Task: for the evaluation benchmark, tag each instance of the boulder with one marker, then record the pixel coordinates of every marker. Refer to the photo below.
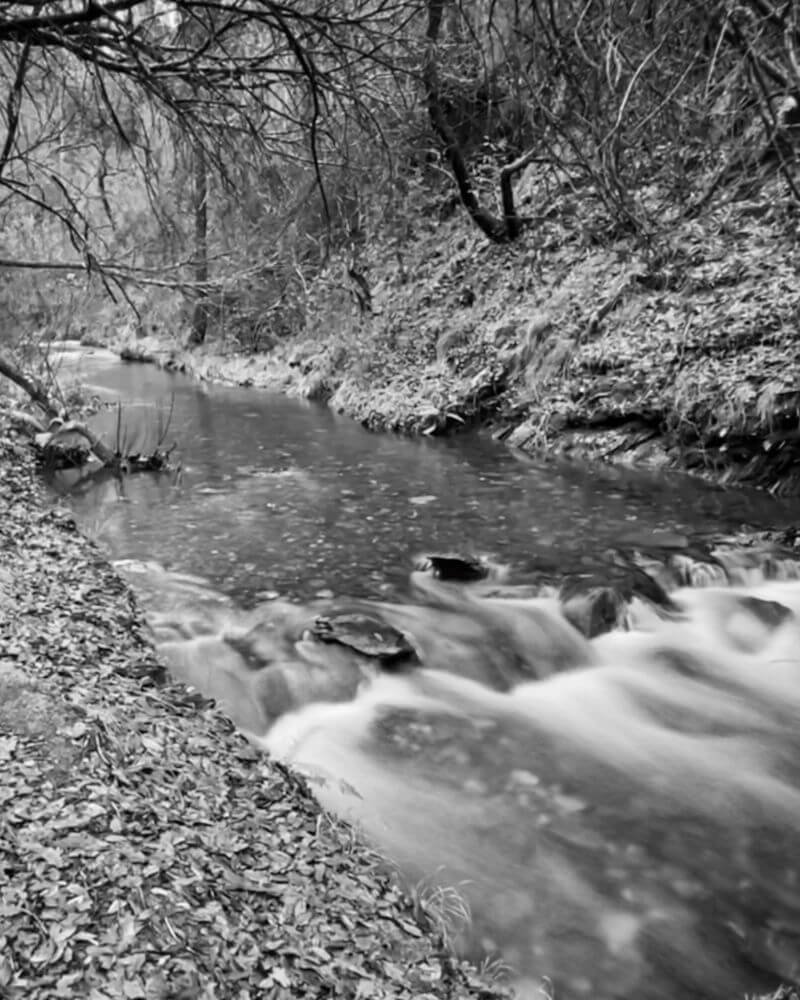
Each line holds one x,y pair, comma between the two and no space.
452,566
367,635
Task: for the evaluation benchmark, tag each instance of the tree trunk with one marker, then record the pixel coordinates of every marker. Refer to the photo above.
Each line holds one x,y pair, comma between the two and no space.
31,385
59,426
499,230
200,205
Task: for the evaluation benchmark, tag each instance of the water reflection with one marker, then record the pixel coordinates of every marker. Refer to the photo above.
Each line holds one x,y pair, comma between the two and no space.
280,494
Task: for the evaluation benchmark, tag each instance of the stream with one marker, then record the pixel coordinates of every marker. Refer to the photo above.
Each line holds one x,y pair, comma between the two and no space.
619,813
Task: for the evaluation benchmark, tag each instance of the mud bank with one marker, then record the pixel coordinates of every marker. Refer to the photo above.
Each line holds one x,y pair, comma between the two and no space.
147,850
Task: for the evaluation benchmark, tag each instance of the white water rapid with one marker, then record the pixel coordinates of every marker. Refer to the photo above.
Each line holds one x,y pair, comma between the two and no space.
621,814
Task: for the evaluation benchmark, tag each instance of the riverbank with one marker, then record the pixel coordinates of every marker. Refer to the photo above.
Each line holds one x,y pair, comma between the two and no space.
114,781
681,353
147,850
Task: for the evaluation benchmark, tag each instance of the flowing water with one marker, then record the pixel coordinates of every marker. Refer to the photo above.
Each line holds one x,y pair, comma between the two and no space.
620,813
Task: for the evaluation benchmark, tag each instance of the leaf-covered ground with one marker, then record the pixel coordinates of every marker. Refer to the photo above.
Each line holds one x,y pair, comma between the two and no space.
146,850
681,351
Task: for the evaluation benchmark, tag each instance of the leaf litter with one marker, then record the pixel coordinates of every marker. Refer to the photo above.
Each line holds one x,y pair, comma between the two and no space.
146,850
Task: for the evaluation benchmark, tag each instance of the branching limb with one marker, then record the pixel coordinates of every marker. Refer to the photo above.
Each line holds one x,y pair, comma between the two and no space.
488,223
13,105
31,385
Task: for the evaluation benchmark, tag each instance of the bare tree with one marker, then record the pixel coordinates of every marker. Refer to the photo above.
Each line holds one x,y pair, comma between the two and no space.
498,228
102,96
647,107
246,73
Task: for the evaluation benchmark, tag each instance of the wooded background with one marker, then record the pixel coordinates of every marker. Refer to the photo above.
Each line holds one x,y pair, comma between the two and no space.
197,162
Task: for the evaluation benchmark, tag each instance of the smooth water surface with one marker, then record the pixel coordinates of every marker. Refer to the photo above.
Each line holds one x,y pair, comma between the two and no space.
281,495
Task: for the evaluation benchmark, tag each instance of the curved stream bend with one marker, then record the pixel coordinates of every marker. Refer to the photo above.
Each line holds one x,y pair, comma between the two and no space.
620,813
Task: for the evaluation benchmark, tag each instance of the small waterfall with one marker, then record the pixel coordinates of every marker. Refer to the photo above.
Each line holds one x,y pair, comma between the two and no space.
609,774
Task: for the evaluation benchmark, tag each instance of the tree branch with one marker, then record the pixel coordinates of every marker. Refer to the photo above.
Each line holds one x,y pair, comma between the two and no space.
25,28
13,105
31,385
488,223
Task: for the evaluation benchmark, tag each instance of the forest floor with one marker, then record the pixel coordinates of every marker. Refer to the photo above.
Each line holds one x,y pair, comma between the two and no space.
683,352
146,849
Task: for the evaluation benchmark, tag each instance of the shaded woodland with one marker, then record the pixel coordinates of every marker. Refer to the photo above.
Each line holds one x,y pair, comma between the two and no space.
223,151
222,172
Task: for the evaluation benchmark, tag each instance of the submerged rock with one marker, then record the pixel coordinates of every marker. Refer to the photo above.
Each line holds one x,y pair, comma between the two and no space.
748,565
308,679
275,631
745,622
770,613
255,682
251,652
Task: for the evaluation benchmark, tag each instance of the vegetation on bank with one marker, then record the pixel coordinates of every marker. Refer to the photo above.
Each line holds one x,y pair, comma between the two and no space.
146,850
685,355
576,221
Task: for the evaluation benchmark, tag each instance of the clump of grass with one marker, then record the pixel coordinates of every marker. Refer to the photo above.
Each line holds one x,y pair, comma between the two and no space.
443,908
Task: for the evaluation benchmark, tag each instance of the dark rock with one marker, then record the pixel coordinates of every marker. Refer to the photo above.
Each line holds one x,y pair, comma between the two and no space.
451,566
629,578
62,455
138,354
595,611
644,585
366,635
